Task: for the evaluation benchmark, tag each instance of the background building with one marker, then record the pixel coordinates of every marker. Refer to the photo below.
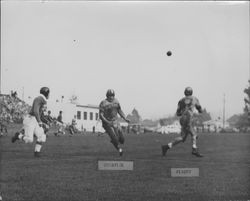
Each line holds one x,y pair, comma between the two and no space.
215,125
86,116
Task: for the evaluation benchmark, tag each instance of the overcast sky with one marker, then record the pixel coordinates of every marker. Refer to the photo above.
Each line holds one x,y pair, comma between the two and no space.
85,48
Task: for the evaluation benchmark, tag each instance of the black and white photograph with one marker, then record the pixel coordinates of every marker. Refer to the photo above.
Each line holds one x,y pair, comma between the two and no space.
125,100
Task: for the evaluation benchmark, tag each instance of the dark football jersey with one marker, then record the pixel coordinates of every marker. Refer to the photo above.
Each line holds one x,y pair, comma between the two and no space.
37,106
110,109
188,104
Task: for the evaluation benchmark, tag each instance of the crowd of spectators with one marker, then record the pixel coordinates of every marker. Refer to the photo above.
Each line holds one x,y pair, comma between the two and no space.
12,108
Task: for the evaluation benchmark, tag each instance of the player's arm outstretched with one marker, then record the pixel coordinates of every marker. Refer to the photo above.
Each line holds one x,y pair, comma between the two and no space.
198,106
121,113
179,109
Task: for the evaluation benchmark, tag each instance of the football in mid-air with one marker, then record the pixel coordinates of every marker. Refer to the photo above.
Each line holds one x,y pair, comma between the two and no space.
169,53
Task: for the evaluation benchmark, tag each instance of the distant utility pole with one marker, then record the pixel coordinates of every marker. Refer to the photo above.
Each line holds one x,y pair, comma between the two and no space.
224,102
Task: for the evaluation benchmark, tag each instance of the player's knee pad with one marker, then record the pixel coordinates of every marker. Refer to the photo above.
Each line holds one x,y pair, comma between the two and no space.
41,138
28,140
178,139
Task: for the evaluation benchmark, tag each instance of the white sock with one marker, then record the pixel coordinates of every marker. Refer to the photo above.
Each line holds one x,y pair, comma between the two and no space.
194,146
170,145
20,136
38,148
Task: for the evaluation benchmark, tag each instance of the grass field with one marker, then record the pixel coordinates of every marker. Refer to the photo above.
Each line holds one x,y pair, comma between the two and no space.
67,170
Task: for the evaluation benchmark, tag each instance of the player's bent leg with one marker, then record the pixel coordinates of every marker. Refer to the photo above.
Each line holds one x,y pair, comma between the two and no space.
40,140
16,137
184,137
165,148
112,135
28,133
120,136
37,152
194,141
177,141
195,151
28,139
29,126
121,140
180,139
39,133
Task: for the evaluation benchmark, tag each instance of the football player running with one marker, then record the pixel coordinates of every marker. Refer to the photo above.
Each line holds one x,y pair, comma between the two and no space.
32,123
108,110
185,111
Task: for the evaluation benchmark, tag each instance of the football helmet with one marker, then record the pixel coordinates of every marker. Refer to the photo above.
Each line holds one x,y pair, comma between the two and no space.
110,92
188,91
45,91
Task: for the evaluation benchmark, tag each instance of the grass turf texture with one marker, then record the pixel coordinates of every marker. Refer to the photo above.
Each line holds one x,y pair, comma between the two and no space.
67,170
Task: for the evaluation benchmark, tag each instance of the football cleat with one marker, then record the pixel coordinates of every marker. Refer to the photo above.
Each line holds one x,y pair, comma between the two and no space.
120,152
15,137
37,154
164,149
196,153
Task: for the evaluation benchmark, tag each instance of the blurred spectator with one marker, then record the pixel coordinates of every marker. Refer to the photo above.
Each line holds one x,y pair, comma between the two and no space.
72,127
61,126
3,128
13,94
